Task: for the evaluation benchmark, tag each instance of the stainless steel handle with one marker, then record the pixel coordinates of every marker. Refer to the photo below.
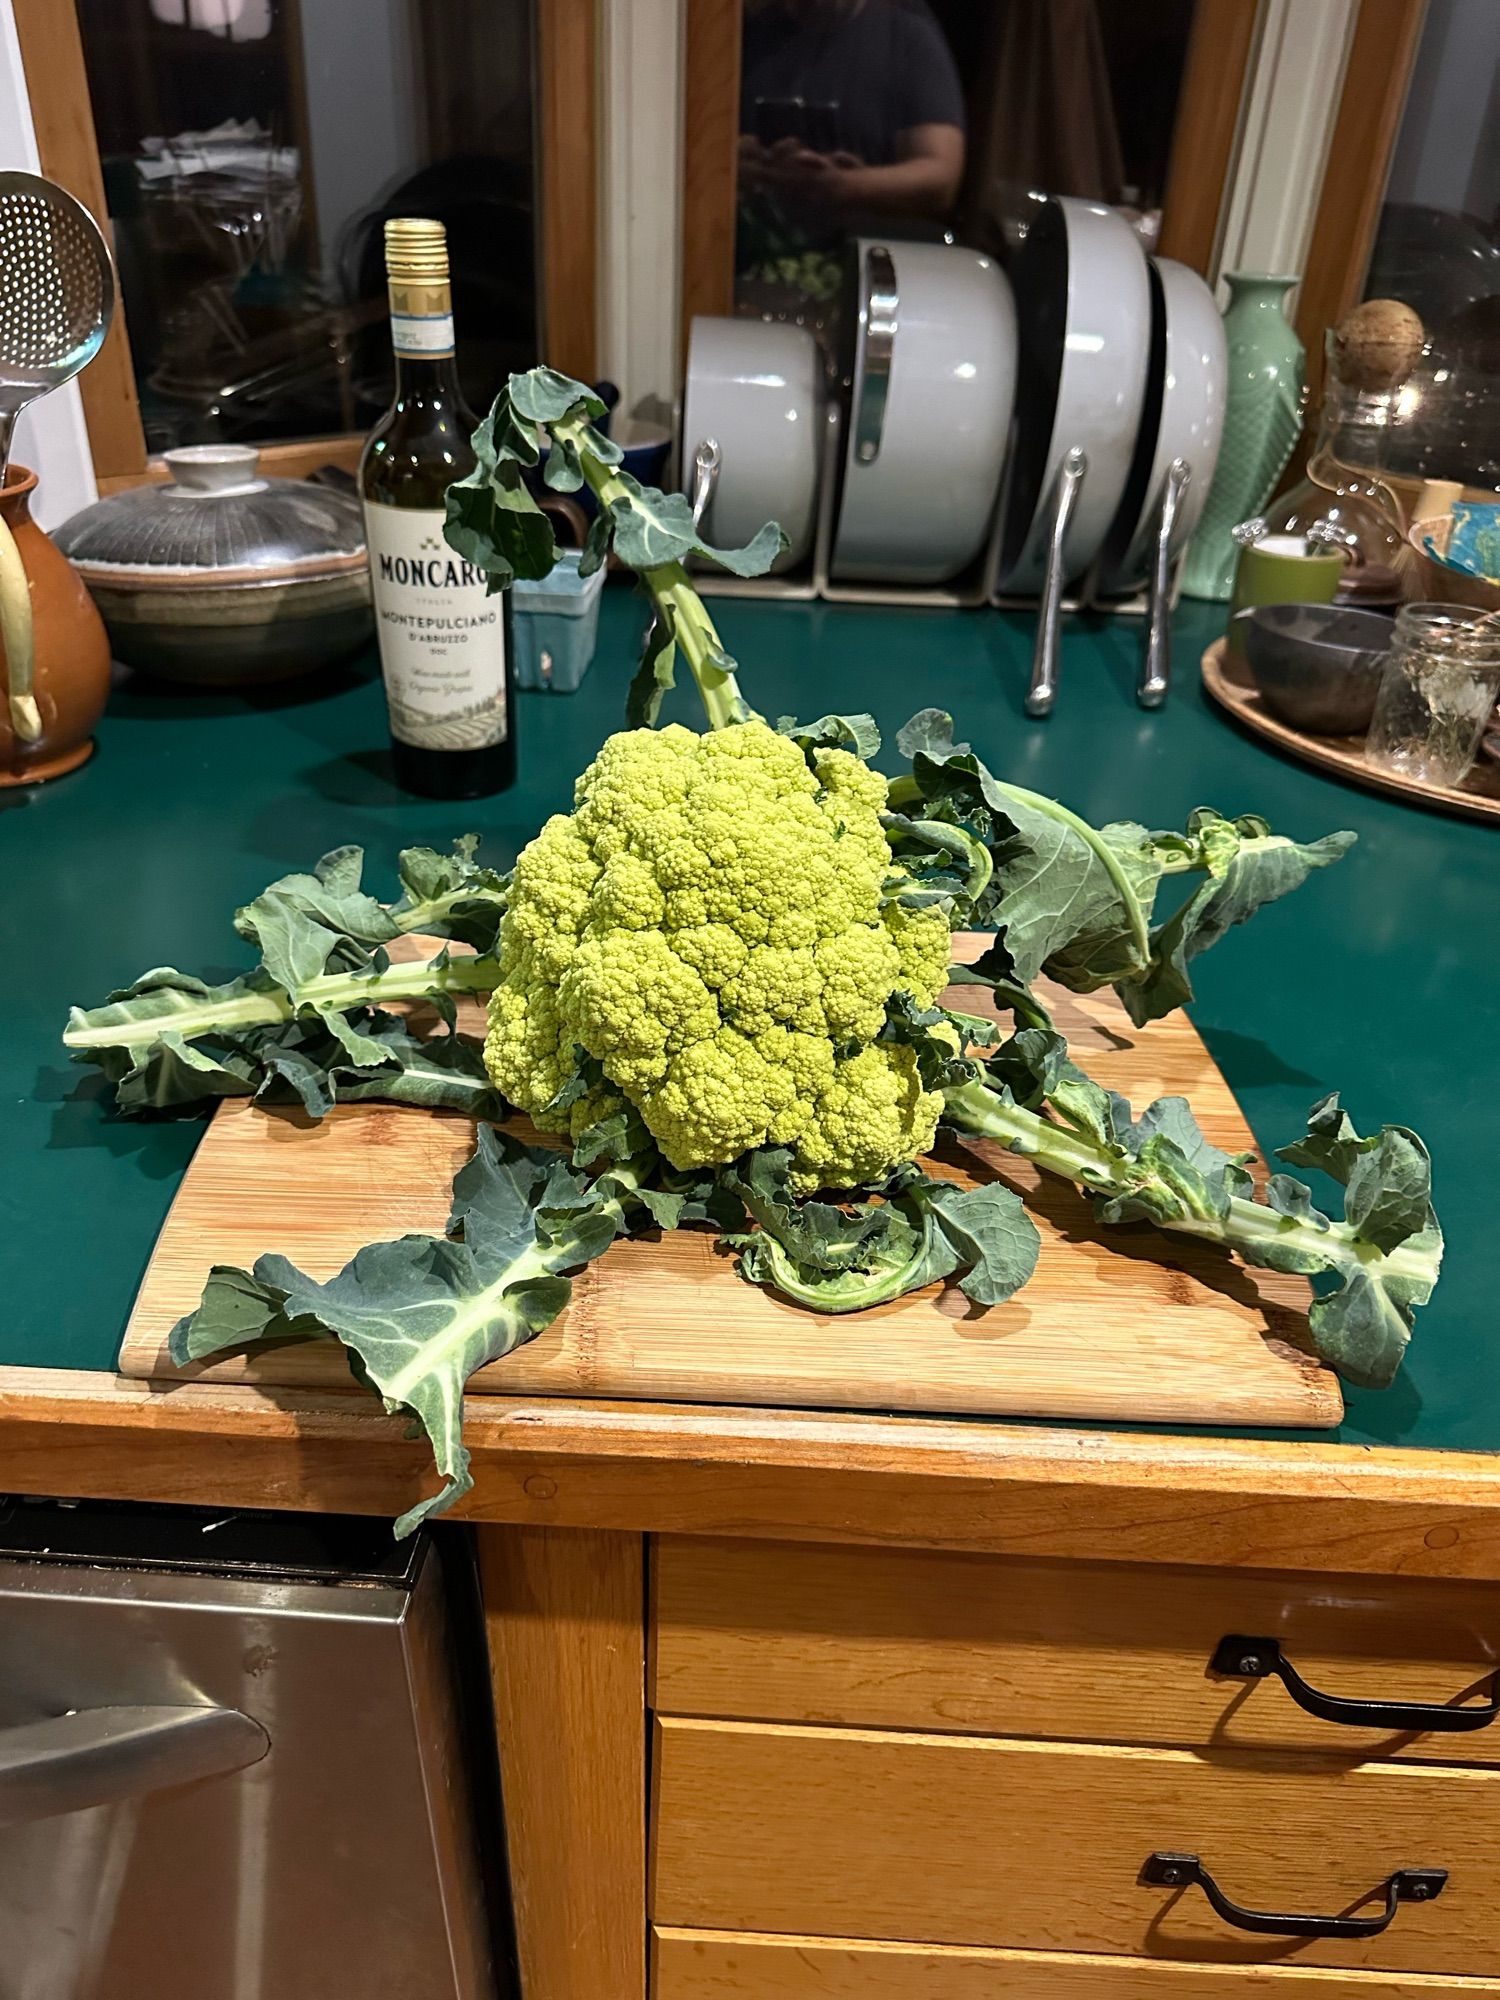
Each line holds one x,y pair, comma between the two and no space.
878,311
1043,690
99,1756
707,459
1156,662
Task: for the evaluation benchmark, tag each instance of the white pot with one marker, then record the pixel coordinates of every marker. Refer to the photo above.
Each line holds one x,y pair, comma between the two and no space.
1183,418
1083,301
934,385
756,389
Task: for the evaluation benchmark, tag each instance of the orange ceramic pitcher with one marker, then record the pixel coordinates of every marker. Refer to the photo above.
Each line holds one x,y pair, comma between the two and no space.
54,653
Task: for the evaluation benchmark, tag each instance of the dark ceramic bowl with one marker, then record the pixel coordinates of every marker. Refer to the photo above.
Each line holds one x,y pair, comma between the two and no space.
1318,665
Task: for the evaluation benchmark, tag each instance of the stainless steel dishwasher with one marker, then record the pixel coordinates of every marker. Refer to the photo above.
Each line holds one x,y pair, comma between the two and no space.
234,1763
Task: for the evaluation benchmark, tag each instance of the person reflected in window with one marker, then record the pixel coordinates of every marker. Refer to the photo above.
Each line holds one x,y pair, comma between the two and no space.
849,109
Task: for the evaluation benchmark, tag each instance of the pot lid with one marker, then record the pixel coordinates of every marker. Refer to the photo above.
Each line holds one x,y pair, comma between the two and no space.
217,520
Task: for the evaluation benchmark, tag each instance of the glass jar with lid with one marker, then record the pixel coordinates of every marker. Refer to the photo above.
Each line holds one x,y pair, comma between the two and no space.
1437,688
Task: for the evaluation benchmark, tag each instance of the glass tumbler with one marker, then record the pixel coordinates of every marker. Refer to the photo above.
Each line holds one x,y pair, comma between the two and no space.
1437,688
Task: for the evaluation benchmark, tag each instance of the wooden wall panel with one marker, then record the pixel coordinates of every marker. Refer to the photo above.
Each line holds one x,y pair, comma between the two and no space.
52,55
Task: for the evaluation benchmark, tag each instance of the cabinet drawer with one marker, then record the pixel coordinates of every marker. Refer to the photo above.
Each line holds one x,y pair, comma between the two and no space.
717,1965
1110,1653
988,1841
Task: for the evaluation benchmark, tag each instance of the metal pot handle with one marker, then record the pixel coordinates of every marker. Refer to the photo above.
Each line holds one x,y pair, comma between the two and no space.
17,638
879,306
99,1756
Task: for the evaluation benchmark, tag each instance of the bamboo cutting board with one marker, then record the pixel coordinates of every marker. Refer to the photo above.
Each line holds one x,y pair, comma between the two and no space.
1122,1323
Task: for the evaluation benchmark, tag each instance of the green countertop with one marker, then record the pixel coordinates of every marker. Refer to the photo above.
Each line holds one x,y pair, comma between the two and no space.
1381,978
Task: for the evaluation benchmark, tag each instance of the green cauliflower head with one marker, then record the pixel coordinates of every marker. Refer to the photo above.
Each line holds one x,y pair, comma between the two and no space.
707,925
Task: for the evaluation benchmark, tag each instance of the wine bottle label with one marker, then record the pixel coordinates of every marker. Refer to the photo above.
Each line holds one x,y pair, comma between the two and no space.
429,334
442,638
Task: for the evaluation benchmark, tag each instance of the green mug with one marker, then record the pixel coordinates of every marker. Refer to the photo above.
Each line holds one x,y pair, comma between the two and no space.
1275,570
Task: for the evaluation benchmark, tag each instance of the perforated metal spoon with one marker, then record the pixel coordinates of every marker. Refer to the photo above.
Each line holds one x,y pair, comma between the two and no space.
57,294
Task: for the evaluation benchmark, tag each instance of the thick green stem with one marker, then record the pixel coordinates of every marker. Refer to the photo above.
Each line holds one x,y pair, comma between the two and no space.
676,601
432,915
1248,1226
334,992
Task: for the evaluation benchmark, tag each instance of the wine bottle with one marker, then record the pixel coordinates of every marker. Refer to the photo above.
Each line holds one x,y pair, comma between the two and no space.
445,643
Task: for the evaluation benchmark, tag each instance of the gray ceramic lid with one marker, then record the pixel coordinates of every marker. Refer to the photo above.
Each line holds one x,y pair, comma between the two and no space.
217,520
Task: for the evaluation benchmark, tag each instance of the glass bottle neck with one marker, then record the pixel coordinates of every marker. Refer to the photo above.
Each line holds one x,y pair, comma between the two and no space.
422,338
1354,424
427,378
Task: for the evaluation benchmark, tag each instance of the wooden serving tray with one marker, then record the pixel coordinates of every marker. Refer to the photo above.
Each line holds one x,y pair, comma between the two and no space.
1477,798
1122,1323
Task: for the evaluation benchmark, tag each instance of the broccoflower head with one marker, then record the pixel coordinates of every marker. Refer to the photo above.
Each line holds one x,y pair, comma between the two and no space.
707,925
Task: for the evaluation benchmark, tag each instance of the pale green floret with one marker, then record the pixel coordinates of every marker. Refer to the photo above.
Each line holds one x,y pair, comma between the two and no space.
925,947
708,927
874,1111
720,1098
716,952
525,1051
631,1002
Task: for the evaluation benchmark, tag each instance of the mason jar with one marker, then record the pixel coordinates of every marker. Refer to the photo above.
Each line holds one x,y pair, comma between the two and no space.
1438,685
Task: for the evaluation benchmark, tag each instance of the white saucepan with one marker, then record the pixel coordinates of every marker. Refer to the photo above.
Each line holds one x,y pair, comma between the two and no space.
755,387
1083,305
1183,418
933,388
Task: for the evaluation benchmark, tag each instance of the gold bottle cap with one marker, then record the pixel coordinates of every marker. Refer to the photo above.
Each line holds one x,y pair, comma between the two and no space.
416,250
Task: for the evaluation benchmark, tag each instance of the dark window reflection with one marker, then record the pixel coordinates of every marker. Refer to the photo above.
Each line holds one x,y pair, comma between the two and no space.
252,150
925,117
1438,247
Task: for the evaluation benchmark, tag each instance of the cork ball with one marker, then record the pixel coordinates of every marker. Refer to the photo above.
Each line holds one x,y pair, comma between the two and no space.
1376,345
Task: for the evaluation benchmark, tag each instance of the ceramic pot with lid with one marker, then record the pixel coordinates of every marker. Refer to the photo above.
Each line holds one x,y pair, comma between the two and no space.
223,576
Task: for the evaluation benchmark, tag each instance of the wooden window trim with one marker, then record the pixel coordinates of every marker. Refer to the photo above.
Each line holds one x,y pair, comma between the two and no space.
710,157
1376,79
566,55
1221,46
568,153
68,148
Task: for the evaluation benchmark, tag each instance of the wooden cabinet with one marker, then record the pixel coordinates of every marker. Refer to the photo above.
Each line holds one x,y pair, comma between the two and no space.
707,1965
992,1841
1078,1652
891,1772
877,1674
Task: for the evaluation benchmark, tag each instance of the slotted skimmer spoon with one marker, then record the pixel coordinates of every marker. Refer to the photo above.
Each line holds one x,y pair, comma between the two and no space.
57,294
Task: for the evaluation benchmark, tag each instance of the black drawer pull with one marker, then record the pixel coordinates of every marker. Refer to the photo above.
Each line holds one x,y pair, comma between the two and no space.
1407,1885
1239,1658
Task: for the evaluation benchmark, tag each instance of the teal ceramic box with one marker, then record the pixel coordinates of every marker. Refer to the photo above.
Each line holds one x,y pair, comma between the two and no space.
556,624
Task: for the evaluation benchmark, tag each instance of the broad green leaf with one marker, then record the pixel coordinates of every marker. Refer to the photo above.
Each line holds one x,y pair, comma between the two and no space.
1260,870
329,900
545,396
419,1315
839,1259
653,529
859,734
451,895
595,546
995,1242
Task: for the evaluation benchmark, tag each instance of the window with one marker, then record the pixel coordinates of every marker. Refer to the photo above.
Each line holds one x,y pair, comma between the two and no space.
1437,246
251,151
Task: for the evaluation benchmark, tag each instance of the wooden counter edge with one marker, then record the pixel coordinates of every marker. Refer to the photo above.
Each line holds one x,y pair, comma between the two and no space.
773,1474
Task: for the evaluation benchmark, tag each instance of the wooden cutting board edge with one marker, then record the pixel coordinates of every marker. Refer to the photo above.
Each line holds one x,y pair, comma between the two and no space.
683,1327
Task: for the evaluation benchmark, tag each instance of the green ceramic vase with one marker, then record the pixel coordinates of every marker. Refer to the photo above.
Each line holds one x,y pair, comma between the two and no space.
1262,418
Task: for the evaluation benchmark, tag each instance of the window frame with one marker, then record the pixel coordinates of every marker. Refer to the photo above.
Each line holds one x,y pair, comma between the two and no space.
565,45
